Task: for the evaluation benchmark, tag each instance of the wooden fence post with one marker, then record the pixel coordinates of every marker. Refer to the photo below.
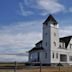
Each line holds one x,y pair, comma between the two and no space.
59,68
15,67
40,67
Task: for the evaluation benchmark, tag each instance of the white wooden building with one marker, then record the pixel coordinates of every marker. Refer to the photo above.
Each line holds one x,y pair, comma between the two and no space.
52,49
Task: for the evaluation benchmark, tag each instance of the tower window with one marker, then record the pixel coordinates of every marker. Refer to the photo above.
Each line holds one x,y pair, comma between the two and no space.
53,55
46,43
54,34
45,55
45,33
54,43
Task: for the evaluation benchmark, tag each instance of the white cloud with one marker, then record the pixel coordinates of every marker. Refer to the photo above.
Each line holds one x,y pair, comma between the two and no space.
70,9
19,37
51,6
19,40
24,12
65,31
44,6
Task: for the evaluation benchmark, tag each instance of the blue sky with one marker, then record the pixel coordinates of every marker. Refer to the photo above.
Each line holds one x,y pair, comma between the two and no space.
21,24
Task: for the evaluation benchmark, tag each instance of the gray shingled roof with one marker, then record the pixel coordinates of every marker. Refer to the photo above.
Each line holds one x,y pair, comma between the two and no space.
66,40
50,19
36,49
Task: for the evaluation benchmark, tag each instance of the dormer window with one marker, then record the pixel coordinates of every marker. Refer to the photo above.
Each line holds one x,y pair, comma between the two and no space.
62,45
70,46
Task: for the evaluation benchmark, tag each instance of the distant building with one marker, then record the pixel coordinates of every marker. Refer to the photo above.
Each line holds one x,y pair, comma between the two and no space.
52,49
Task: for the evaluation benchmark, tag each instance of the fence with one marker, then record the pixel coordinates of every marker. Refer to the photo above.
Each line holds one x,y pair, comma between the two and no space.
20,67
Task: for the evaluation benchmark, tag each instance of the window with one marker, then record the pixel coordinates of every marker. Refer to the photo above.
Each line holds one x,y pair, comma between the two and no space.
54,34
45,55
46,43
63,58
53,55
57,55
70,46
31,56
45,33
63,45
38,59
54,43
70,58
60,46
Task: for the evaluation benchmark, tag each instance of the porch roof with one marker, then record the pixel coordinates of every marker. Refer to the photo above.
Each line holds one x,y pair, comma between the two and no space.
36,49
66,40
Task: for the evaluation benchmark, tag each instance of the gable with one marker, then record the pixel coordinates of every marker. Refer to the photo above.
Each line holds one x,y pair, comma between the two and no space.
65,40
50,19
40,42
